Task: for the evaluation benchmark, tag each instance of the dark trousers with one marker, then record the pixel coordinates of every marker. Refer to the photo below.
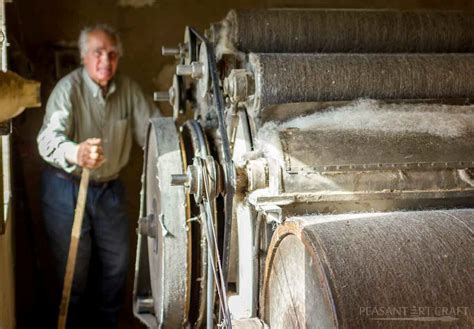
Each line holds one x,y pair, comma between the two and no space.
104,238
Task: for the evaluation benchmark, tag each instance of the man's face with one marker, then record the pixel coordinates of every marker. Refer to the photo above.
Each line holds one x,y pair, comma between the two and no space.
101,58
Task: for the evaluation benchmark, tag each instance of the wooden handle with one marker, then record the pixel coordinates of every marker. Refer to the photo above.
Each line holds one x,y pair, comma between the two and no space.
71,258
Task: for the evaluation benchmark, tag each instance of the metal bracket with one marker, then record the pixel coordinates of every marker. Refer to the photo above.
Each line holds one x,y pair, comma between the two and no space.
147,226
272,213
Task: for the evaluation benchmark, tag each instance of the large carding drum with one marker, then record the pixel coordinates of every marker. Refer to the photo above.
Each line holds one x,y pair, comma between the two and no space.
356,31
372,270
294,78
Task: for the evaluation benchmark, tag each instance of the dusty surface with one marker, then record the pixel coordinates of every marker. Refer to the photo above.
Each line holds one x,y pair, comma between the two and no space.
144,29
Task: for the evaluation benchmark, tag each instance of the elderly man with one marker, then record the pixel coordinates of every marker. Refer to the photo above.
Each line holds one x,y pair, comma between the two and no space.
90,117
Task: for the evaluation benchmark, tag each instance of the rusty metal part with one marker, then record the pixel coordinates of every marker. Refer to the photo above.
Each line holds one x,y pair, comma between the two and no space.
357,31
337,270
293,78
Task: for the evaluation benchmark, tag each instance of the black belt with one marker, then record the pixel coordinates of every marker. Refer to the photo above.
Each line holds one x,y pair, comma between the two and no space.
77,179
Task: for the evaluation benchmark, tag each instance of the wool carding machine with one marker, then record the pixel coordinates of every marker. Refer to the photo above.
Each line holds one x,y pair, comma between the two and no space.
325,180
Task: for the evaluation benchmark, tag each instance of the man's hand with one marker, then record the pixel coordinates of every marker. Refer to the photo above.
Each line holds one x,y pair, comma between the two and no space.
90,153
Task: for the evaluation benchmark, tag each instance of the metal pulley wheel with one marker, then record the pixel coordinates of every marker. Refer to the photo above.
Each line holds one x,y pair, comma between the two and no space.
194,146
178,96
192,46
164,240
186,52
203,84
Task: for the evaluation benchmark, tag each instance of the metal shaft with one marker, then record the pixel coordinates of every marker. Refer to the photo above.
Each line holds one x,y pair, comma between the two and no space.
169,51
161,96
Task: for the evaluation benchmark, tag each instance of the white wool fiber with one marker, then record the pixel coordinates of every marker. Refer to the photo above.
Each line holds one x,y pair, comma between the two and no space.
371,116
268,142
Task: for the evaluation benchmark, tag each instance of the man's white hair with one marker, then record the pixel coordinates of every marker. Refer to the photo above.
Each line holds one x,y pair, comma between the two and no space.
83,36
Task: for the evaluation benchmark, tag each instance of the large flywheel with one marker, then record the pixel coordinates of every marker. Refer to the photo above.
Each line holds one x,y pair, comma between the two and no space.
162,284
174,281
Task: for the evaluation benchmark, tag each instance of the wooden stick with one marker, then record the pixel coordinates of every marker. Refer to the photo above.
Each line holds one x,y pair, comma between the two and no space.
71,258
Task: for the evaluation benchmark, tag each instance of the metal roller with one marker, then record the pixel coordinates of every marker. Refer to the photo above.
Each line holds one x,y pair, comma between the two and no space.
372,270
292,78
331,31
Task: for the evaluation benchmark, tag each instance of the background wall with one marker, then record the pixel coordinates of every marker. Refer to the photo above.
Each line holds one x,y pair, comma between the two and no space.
40,30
